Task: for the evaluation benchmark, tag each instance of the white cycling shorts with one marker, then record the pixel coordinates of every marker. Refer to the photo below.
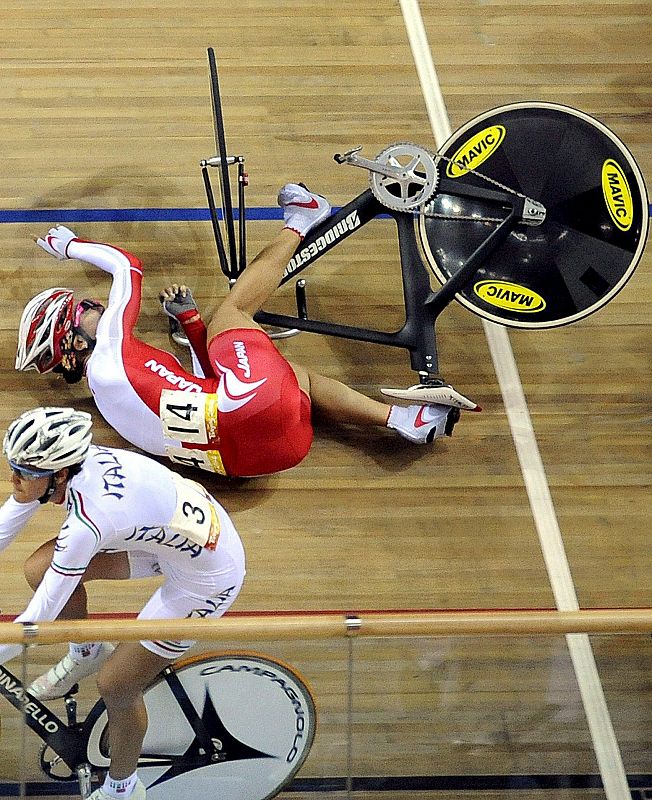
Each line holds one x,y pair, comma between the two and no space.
186,594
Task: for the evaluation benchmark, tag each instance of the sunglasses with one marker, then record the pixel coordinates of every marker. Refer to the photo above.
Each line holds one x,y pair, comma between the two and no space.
84,305
30,473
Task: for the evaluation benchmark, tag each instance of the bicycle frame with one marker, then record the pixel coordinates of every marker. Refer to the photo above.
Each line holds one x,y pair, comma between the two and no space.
68,741
192,739
422,305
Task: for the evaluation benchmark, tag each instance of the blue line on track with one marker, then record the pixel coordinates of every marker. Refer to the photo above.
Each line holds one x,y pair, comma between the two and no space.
639,785
63,215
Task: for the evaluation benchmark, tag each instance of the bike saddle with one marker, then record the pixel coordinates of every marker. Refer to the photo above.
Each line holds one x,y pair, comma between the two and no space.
442,394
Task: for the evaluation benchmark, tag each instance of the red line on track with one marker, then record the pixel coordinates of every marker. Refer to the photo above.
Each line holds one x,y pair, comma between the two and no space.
361,611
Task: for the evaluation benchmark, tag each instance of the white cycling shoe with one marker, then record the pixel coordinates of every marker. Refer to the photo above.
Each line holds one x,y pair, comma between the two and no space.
59,680
422,424
443,395
302,209
137,794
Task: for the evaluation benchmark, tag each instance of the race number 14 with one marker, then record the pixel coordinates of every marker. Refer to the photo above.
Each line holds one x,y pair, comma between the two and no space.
183,416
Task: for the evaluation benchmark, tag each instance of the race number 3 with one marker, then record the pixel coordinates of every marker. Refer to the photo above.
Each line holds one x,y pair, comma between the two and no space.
195,516
189,417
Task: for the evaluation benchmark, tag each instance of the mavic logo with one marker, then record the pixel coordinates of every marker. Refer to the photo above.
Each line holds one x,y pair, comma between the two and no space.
511,296
617,195
232,393
477,150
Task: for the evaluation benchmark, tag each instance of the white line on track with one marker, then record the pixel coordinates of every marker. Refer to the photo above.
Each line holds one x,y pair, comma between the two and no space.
605,744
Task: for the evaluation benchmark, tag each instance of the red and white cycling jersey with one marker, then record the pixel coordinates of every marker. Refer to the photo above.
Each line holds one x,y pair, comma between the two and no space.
248,418
126,375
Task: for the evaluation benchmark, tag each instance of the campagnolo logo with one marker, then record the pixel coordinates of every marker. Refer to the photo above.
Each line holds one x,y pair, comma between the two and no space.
298,712
349,223
477,150
617,195
504,294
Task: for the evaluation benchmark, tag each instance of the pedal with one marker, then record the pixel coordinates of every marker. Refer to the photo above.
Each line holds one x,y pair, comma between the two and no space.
441,394
343,158
84,776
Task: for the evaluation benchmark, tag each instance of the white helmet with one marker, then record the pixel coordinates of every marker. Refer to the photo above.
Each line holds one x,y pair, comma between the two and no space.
45,322
48,438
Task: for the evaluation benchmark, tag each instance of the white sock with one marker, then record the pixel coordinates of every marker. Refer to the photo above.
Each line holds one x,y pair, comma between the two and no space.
119,788
84,650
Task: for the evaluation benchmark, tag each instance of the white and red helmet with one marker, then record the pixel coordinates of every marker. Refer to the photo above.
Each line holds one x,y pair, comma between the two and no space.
45,322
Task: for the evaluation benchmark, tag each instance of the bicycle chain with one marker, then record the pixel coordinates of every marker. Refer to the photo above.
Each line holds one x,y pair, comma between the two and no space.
468,217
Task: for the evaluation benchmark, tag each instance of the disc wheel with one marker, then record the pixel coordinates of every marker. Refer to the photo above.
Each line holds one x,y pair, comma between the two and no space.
596,223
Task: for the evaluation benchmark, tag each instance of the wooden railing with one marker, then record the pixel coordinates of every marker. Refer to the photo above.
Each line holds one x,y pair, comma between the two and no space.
317,626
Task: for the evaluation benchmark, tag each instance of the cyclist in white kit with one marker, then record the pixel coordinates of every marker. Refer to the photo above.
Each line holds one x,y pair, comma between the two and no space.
127,517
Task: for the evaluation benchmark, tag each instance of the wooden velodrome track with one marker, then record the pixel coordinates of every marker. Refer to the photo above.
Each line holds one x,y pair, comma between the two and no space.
106,106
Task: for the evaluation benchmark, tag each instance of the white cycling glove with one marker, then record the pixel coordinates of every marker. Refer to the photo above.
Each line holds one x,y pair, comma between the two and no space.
57,241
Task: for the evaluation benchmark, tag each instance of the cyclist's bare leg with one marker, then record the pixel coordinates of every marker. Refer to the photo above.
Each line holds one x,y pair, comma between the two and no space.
340,403
121,682
255,285
249,293
105,566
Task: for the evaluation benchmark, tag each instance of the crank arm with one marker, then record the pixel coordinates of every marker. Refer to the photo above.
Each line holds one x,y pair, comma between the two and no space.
354,160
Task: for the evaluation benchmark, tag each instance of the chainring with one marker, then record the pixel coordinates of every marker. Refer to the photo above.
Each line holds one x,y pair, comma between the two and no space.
415,184
53,765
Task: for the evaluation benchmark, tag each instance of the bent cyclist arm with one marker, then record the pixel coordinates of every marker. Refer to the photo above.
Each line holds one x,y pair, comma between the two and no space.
123,308
75,547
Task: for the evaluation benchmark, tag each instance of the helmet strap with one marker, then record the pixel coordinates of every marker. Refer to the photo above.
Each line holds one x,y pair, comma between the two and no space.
49,491
73,361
